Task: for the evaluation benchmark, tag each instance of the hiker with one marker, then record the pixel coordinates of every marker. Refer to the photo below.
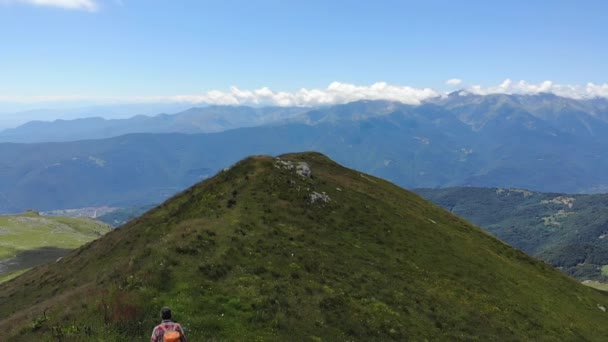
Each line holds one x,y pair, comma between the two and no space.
168,331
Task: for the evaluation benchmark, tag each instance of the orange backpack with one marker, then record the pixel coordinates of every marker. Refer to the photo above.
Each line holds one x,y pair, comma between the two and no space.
172,336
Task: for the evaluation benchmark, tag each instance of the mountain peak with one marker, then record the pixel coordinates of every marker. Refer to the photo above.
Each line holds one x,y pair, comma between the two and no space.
298,246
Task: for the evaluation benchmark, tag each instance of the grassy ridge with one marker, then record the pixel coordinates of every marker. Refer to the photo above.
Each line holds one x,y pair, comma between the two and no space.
261,253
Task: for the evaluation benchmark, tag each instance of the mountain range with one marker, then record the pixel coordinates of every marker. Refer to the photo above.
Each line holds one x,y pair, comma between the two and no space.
194,120
14,115
538,142
300,248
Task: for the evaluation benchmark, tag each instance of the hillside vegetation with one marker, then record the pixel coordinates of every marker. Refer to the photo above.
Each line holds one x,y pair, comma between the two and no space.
568,231
28,239
299,248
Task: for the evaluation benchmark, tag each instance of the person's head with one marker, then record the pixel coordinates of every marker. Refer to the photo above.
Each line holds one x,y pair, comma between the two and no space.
165,313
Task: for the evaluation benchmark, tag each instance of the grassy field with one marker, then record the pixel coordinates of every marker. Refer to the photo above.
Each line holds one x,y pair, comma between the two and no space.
262,253
29,239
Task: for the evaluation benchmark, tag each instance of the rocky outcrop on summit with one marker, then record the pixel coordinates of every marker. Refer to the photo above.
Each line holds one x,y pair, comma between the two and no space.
302,168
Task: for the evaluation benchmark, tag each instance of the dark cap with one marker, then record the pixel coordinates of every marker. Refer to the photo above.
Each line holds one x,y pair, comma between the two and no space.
165,313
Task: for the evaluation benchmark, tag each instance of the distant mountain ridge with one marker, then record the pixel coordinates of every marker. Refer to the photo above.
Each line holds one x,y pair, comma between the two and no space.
195,120
463,140
544,110
578,117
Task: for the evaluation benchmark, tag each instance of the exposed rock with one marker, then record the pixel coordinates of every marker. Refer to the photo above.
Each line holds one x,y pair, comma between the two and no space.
302,168
319,197
282,164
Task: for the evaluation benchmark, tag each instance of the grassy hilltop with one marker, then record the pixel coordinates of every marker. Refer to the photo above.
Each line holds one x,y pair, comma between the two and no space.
265,251
28,239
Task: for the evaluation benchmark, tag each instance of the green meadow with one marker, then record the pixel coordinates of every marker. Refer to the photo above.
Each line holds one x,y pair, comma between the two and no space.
29,239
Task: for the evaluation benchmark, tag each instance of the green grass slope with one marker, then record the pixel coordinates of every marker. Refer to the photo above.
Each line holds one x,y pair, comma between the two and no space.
29,239
261,253
568,231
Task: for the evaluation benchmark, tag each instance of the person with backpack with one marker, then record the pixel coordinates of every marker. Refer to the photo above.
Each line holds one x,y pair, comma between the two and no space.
168,331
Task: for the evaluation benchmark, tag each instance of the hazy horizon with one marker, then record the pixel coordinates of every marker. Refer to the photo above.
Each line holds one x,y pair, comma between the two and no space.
75,53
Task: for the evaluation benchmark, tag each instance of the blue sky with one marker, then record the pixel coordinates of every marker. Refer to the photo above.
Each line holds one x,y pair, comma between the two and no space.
153,48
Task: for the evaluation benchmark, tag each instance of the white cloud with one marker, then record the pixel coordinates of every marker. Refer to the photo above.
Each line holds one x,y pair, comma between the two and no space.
523,87
86,5
335,93
453,81
599,90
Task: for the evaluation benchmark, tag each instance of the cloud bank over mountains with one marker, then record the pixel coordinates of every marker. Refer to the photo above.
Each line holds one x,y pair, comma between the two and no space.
335,93
590,90
338,92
